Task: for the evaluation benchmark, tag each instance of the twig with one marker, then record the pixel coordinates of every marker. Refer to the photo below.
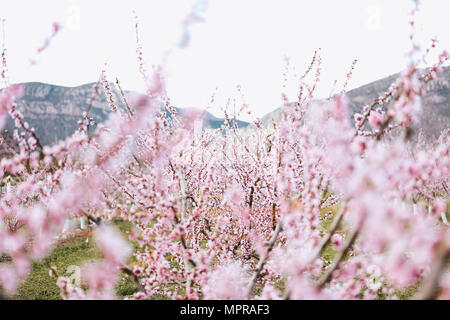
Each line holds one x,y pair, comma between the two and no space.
340,256
124,99
91,218
133,276
263,261
430,288
189,263
336,222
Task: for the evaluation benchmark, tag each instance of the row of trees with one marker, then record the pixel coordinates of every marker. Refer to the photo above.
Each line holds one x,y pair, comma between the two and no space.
316,206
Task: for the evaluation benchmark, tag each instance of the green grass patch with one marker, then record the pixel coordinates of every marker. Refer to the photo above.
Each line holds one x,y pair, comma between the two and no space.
77,249
71,251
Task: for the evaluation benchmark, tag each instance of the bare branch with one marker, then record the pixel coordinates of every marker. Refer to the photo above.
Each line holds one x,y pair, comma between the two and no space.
263,261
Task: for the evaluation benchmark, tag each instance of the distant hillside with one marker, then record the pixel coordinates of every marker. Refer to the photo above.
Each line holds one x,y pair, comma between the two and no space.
55,110
435,115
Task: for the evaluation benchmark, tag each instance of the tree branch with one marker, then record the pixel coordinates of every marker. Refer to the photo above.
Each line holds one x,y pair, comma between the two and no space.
263,261
430,289
341,254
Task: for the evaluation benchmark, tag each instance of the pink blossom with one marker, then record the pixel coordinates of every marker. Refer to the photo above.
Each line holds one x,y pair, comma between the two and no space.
375,119
337,241
227,283
110,242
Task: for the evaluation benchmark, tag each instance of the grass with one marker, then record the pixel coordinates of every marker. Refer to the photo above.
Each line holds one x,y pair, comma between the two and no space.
328,215
408,292
76,249
329,253
72,251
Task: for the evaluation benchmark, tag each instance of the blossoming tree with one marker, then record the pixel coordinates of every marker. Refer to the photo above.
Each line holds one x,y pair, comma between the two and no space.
234,214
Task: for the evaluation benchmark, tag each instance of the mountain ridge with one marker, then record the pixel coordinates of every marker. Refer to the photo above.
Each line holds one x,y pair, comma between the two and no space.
435,115
54,111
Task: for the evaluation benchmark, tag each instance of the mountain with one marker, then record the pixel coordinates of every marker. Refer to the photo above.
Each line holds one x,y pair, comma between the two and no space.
435,116
54,111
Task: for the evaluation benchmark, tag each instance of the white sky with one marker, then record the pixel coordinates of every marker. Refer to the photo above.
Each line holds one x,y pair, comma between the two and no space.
242,42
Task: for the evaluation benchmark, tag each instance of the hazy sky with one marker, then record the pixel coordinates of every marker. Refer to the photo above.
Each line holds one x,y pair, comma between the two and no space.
242,42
